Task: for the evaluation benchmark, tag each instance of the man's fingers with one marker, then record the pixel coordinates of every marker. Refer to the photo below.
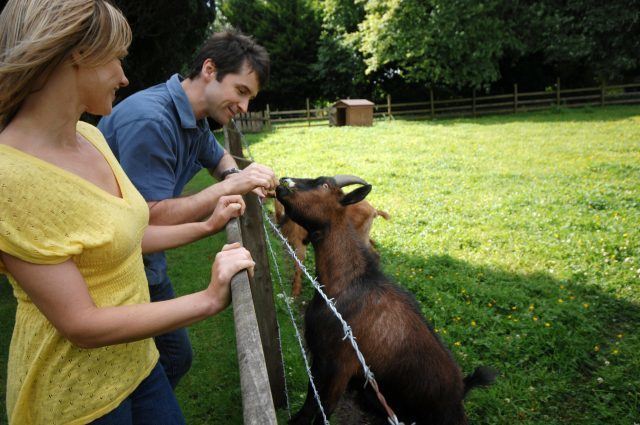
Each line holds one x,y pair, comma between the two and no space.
265,172
260,192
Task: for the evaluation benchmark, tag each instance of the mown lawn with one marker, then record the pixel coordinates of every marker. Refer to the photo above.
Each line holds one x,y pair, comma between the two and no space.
517,234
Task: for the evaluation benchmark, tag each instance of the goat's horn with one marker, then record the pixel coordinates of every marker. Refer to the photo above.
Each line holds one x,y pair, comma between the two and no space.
343,180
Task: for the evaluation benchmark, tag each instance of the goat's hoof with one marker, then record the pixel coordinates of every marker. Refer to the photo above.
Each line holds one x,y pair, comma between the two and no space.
299,420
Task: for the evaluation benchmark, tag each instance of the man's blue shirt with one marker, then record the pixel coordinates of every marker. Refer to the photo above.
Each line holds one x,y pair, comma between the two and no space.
161,146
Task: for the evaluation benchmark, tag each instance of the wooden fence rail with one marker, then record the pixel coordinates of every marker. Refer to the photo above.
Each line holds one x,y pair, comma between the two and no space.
468,106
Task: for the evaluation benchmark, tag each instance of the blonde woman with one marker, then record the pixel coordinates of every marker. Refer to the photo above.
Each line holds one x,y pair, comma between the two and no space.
73,228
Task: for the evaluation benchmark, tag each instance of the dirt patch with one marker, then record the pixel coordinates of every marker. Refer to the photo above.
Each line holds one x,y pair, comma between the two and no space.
349,413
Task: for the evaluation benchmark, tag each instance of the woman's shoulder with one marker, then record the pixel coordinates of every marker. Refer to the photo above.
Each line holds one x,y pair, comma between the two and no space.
90,132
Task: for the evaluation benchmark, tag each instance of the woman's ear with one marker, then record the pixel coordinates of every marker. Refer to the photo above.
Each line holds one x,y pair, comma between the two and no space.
75,57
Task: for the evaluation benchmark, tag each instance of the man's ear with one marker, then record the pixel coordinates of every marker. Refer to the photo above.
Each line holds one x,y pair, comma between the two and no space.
356,195
208,69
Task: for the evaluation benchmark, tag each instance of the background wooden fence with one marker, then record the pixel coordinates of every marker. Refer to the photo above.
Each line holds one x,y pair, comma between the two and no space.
459,107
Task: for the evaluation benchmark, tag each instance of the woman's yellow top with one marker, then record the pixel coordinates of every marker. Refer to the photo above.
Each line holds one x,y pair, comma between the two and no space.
47,216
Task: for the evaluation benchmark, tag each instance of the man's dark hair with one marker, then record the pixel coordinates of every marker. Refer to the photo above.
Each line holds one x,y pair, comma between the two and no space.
229,50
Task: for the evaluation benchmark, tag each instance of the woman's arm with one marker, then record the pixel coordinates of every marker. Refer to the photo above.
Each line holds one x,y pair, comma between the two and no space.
60,293
160,238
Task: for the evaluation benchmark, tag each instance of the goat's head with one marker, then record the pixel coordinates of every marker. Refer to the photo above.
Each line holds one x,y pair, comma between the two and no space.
314,203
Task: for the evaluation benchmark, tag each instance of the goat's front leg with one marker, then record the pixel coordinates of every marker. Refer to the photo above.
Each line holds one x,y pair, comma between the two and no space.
332,390
331,381
307,411
337,374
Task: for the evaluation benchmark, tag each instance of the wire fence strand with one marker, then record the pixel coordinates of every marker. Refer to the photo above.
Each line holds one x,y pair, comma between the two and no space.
348,333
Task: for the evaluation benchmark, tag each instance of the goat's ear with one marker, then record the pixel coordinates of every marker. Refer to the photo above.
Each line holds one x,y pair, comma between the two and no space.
356,195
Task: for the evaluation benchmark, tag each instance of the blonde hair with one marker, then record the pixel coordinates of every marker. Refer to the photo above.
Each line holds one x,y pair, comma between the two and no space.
38,35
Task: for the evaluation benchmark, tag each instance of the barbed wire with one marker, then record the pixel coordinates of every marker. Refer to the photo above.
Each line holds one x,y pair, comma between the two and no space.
293,321
348,333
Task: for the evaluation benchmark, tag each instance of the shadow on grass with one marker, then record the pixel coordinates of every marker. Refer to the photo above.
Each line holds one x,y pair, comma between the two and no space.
567,352
7,318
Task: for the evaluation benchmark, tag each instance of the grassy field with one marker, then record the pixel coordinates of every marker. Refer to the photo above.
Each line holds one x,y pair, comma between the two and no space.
517,234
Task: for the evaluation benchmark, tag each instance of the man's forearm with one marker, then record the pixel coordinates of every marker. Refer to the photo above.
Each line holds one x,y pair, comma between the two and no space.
186,209
225,163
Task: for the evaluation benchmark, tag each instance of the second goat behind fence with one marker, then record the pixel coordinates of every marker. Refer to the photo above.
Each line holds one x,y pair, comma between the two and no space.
416,373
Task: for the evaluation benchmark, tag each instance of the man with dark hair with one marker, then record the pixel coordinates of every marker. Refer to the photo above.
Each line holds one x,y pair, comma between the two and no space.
162,139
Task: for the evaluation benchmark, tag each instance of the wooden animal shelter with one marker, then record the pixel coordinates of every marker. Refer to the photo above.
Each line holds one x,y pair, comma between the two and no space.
353,112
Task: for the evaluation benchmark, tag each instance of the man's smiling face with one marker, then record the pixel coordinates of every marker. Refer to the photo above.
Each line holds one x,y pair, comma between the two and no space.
226,98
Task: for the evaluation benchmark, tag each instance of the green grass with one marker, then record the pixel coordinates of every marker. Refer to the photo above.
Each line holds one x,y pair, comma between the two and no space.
517,234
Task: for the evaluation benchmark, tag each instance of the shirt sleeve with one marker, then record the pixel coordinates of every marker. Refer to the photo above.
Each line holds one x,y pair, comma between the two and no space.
147,155
27,246
211,152
33,224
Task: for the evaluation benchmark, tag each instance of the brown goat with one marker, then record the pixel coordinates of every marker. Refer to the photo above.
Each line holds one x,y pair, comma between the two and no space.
416,373
361,215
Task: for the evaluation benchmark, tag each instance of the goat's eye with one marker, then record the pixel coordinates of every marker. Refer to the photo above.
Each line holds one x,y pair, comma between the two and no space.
326,186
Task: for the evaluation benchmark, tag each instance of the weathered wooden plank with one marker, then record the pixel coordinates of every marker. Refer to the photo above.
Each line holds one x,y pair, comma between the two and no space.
580,90
295,119
584,97
253,238
262,292
621,102
257,403
624,86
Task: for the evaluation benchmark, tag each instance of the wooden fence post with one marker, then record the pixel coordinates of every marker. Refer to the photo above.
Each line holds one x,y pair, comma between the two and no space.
433,109
261,285
558,92
257,404
473,102
268,117
308,114
602,92
515,97
389,107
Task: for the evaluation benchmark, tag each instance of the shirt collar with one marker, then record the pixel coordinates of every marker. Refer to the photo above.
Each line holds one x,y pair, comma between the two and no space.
180,99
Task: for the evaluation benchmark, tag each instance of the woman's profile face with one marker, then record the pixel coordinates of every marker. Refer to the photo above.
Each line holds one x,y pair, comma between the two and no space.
98,85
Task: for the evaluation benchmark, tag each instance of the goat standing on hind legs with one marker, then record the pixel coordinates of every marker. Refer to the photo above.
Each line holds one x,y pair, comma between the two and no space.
361,215
415,372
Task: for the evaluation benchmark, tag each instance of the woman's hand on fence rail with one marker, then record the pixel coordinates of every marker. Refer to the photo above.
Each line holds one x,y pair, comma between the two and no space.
232,259
256,178
227,207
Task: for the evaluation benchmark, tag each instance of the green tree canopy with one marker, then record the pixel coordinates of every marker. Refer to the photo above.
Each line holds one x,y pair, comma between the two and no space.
600,38
340,66
166,34
447,42
457,43
289,30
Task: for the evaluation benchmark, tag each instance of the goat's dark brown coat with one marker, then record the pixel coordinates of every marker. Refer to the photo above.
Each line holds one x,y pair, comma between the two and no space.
361,215
415,372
